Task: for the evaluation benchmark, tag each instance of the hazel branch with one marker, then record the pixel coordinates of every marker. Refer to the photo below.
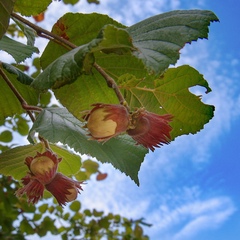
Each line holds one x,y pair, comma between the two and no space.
53,37
23,103
18,95
41,32
111,83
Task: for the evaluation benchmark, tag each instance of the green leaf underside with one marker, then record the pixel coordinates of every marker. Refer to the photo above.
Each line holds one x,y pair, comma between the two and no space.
72,64
29,7
63,70
159,38
9,104
156,41
12,161
79,29
170,95
18,50
6,7
28,32
57,124
21,76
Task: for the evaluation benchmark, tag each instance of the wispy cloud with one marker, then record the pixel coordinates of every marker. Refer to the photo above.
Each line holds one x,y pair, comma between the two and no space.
209,214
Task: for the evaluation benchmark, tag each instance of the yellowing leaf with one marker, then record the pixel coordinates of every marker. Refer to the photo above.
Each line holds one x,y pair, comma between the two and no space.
29,7
170,94
12,161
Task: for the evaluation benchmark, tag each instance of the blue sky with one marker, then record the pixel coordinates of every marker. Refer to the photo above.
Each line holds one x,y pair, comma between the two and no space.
190,188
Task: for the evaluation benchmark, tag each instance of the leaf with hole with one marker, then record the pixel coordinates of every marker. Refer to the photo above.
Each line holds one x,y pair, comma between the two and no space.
170,95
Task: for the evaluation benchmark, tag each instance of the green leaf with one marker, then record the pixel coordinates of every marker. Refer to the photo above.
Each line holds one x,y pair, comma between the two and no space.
37,216
78,28
68,67
12,161
70,1
158,39
63,70
90,166
26,227
22,126
87,89
170,94
6,7
19,51
29,32
93,1
57,124
29,7
9,104
71,162
45,98
75,206
21,76
6,136
43,208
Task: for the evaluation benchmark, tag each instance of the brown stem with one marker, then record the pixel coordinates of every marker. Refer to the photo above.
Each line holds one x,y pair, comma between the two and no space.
17,94
49,35
22,101
31,108
111,83
41,31
15,91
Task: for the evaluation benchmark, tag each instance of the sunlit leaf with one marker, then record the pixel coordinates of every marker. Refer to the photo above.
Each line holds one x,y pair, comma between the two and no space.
75,206
6,136
22,126
12,161
29,7
170,94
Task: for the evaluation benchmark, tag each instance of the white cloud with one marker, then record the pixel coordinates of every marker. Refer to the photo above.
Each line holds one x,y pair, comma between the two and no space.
184,221
205,215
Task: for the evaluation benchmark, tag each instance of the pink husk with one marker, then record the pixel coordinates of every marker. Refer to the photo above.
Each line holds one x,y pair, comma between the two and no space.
33,189
48,175
60,186
116,112
151,130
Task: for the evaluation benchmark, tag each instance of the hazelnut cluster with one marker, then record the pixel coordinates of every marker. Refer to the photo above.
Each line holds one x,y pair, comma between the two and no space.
151,130
43,175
